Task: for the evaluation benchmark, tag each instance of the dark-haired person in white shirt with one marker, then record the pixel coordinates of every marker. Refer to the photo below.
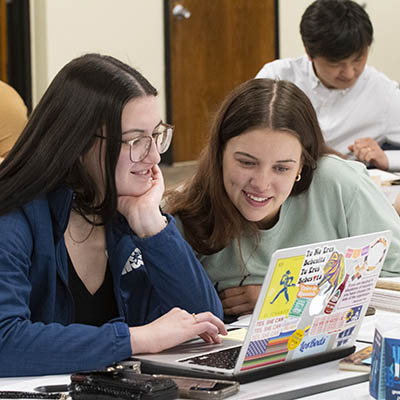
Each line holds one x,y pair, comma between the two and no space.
358,107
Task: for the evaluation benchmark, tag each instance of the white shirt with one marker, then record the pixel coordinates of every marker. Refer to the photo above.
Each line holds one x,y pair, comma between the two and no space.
370,108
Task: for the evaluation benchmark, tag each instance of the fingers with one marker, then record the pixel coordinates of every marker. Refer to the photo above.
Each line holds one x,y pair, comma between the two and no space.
365,153
212,319
231,292
208,327
208,332
368,151
239,309
211,337
156,171
173,328
230,302
364,149
206,324
157,177
374,156
206,337
240,300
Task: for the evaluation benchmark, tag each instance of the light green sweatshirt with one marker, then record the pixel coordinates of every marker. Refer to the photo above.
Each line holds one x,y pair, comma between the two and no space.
342,201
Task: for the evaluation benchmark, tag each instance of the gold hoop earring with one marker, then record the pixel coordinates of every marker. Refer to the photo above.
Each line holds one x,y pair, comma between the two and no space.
298,177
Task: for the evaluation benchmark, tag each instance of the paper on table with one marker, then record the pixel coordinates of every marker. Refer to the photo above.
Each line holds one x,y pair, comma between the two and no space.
236,334
386,295
383,175
242,322
388,283
382,179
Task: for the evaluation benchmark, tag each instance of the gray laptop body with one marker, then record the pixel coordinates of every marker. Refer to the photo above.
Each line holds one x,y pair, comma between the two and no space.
309,311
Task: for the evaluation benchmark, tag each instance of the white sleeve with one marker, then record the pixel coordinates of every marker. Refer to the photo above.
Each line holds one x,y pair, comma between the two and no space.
277,69
394,159
392,129
267,71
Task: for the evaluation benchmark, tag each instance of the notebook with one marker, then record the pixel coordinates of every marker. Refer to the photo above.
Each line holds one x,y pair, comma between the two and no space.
309,311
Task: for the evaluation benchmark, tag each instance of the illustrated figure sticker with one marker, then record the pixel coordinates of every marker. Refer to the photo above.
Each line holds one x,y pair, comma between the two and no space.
372,256
286,282
282,290
333,276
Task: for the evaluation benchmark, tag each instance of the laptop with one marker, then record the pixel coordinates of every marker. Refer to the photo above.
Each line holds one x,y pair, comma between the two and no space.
309,310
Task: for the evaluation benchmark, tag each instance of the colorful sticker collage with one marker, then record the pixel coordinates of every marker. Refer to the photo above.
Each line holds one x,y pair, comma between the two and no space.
313,300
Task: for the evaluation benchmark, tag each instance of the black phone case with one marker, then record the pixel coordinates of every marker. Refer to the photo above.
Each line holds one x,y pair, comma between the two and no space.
105,386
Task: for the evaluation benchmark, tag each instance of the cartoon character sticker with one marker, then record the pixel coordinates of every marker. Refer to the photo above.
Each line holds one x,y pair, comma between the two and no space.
282,291
286,282
333,277
372,256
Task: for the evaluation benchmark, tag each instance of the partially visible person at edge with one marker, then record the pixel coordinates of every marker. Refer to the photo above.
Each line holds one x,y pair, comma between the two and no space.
357,106
13,117
266,180
91,271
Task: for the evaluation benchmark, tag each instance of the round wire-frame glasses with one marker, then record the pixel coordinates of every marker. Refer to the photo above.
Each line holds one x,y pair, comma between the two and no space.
141,145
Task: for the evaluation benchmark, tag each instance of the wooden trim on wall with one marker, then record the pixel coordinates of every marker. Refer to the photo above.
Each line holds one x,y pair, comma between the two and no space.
3,41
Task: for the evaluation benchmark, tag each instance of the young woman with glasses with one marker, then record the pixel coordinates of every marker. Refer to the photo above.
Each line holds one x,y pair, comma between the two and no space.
91,270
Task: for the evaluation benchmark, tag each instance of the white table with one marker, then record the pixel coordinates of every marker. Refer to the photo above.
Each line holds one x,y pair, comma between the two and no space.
354,392
325,377
320,382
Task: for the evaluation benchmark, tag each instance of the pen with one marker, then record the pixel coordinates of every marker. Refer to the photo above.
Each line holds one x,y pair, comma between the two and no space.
51,388
395,182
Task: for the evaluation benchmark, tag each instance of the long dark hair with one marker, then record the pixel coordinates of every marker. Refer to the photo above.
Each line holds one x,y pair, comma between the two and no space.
210,219
85,98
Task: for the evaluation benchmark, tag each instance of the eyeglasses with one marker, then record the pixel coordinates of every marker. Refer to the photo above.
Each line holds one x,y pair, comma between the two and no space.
141,145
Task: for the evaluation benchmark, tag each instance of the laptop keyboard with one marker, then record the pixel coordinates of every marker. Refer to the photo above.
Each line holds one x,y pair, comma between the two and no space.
220,359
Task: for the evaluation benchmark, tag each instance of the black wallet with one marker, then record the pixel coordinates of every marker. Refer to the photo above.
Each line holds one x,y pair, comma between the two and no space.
104,385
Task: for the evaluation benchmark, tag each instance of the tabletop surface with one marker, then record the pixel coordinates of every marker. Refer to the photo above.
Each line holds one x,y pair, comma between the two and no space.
324,381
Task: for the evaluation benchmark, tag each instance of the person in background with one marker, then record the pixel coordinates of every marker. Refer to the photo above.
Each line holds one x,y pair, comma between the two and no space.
357,106
266,180
13,117
91,270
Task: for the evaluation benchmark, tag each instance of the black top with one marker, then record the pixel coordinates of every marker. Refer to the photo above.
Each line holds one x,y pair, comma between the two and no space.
92,309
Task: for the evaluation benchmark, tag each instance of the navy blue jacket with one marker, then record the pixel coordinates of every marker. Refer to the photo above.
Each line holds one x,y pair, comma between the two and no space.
37,333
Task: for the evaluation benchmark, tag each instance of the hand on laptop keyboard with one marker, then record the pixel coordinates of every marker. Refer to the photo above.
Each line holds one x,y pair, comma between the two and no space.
176,327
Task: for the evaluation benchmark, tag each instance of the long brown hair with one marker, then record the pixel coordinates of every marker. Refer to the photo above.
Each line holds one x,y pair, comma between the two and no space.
86,96
210,219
